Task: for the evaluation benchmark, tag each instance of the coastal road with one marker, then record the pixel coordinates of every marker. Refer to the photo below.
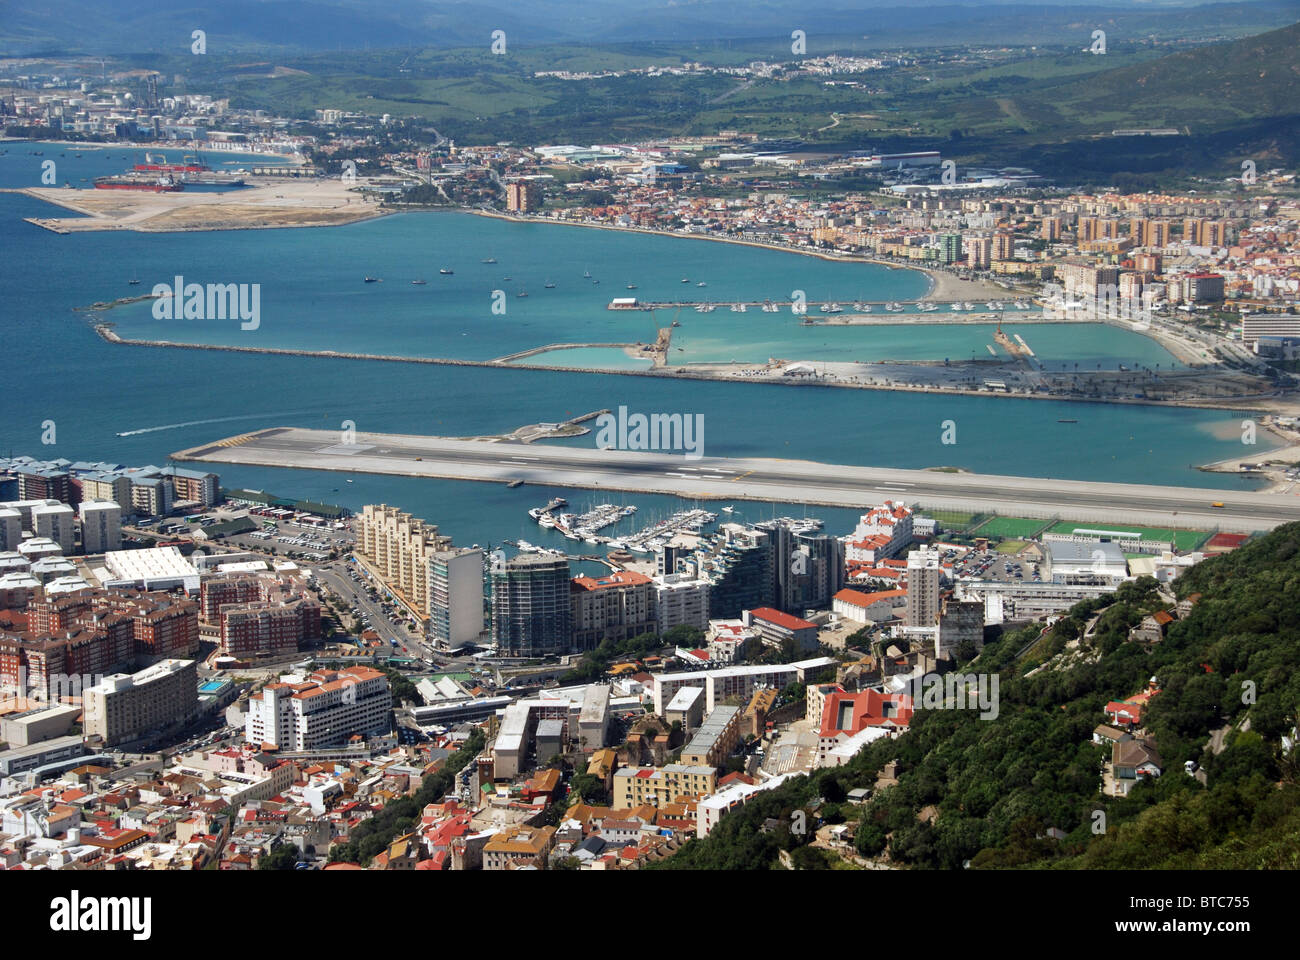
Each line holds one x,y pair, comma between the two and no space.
720,478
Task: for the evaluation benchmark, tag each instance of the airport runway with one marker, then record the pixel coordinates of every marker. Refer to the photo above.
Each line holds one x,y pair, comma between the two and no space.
719,478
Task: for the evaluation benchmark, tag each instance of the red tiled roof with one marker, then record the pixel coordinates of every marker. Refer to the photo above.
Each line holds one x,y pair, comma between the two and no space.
781,619
1130,711
868,710
860,599
620,578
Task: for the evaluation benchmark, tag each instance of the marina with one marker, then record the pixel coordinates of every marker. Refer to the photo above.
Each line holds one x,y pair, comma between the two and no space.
587,526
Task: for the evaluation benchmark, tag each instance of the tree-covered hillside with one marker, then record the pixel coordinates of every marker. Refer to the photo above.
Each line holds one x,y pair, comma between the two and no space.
988,791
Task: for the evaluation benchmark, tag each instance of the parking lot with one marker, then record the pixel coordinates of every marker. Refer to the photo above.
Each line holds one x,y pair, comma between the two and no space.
991,565
308,541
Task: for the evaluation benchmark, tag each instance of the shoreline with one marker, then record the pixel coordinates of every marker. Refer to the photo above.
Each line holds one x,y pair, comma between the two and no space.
942,286
938,281
1268,463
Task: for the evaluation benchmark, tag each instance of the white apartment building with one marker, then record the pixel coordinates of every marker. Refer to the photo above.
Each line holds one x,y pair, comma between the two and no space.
584,712
455,598
681,600
101,526
1254,326
739,681
25,508
11,529
882,532
323,709
127,706
55,522
711,810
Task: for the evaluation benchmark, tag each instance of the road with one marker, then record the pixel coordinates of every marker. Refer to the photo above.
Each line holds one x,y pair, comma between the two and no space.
782,481
335,578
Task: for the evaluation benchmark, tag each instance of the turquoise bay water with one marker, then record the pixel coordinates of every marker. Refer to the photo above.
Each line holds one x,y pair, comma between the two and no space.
314,297
93,390
601,358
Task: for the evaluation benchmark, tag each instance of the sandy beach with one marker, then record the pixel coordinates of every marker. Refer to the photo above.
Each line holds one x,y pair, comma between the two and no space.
1272,462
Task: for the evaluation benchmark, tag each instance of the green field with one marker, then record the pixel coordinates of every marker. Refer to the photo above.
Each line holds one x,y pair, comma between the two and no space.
951,519
1004,528
1183,540
1011,546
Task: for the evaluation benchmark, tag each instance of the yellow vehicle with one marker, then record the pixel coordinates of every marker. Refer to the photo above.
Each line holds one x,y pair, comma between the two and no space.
1218,504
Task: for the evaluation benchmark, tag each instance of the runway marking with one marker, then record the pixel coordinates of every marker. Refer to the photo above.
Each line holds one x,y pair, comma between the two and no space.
742,476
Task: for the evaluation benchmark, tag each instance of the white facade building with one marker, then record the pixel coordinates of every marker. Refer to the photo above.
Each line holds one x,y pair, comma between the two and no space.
11,529
882,532
739,681
321,710
455,598
101,526
55,522
125,707
681,600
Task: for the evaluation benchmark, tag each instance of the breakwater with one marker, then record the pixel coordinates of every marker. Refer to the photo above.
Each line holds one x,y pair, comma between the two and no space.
106,332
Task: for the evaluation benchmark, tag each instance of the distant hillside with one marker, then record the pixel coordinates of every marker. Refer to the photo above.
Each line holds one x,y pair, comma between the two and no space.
1229,100
49,27
1253,77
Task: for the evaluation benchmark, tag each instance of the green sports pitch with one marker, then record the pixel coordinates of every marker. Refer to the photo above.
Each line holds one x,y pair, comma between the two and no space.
1018,528
954,520
1181,539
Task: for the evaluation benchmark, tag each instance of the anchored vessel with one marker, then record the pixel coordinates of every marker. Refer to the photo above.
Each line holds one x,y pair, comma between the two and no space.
128,182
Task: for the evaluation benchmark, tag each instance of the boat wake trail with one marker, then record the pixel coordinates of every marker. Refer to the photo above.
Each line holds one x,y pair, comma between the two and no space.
199,423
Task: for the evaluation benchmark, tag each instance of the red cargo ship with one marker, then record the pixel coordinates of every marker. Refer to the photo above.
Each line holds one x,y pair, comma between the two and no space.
159,164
